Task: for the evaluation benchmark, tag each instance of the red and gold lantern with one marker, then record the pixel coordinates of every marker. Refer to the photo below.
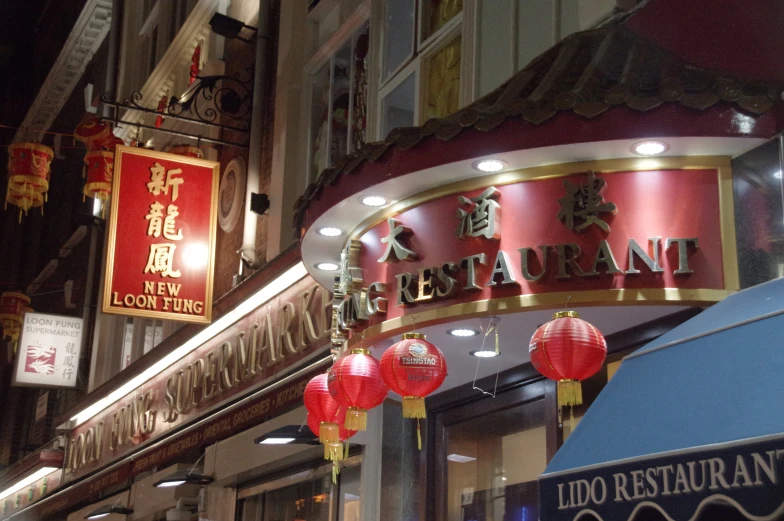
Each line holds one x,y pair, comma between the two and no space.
95,134
413,368
322,406
355,383
13,305
98,166
186,150
568,349
333,450
29,169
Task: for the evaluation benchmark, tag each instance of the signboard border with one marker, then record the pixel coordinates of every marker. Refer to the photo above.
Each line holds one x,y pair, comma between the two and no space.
106,306
15,383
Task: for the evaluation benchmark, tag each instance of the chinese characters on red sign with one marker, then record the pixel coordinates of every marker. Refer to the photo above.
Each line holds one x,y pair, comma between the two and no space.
162,236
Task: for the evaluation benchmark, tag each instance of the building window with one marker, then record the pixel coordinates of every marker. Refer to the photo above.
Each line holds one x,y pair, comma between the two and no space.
338,103
422,70
307,495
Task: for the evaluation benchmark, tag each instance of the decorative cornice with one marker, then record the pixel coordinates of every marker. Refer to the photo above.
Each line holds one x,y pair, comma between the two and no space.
86,37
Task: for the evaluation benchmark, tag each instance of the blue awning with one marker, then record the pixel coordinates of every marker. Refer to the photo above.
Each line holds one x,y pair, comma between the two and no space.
711,388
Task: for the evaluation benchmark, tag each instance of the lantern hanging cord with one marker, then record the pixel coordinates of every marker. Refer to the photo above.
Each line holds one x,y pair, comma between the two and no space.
36,130
566,303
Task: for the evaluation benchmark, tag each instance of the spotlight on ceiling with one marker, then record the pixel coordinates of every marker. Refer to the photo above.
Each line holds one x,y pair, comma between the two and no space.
183,477
228,27
288,434
462,332
484,353
105,510
374,201
327,266
330,231
650,148
490,165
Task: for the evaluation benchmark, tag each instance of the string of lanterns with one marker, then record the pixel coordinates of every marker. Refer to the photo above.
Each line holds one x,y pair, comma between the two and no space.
566,349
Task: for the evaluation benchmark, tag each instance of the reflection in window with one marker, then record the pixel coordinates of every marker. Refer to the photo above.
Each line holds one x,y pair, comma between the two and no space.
493,464
399,18
443,81
307,500
349,494
398,106
438,13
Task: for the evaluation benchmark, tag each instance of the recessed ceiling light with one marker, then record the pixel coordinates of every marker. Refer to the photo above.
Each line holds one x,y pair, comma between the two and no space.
650,148
459,458
490,165
777,174
463,332
327,266
374,200
484,353
330,231
276,441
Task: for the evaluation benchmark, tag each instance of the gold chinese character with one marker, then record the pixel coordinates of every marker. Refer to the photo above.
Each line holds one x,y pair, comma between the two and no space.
395,250
585,202
159,224
161,260
161,180
481,217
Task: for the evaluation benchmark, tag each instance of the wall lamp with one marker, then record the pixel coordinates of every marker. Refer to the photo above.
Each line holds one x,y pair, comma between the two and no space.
184,477
289,434
105,510
229,28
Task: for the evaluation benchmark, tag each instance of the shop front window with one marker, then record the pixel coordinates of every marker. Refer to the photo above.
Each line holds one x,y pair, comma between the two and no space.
493,462
306,496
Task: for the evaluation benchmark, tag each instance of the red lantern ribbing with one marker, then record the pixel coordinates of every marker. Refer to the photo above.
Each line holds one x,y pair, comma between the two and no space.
355,383
413,368
568,349
322,408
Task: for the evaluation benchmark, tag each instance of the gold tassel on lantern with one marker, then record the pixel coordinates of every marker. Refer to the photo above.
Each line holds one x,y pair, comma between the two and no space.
333,451
329,433
570,393
356,419
414,407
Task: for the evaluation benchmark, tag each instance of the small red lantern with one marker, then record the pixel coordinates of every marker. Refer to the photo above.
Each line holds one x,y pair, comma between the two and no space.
28,175
98,166
13,305
568,349
95,134
322,407
186,150
333,450
413,368
355,382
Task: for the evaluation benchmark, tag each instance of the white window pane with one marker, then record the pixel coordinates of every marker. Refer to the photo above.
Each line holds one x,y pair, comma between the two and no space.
579,15
349,494
398,107
398,33
127,344
534,29
319,122
495,44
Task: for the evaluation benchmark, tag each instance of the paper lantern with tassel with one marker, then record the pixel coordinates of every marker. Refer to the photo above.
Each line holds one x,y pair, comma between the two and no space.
355,383
12,308
98,166
322,407
28,175
333,450
568,349
186,150
413,368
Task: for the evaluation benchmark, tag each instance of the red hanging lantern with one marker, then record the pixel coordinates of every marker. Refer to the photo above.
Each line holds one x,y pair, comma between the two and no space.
568,349
333,450
413,368
95,134
98,165
162,104
12,308
29,169
195,67
355,382
186,150
322,407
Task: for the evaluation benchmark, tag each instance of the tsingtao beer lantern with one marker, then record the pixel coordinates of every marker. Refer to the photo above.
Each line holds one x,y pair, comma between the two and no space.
355,383
29,170
568,349
413,368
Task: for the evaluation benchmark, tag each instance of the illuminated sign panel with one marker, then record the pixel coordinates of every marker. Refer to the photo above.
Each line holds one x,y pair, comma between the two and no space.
161,236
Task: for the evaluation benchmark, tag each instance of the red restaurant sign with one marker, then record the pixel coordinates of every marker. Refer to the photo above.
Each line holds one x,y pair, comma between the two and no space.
161,236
